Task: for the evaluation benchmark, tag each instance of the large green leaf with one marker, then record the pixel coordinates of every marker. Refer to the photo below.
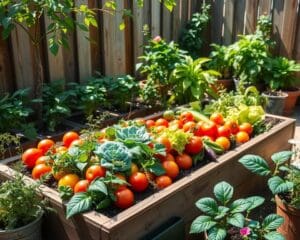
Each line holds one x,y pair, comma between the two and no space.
98,186
201,224
236,220
133,134
217,234
79,203
274,236
255,201
272,222
281,157
207,205
239,205
255,164
223,192
222,211
279,185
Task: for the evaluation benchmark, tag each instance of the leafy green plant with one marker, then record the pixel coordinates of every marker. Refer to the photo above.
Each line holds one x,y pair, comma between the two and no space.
20,203
191,37
7,141
190,81
57,103
222,214
280,73
283,178
14,111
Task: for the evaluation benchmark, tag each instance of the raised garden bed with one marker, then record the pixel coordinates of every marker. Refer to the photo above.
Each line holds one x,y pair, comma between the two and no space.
176,200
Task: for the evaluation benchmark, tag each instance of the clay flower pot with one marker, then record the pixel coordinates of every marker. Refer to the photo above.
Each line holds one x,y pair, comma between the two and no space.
290,228
290,101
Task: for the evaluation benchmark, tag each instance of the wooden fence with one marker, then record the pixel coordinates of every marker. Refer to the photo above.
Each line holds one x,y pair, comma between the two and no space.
112,51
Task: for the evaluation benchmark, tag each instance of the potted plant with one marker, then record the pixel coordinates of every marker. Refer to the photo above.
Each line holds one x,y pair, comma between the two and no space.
227,219
21,210
159,61
280,76
191,82
284,183
220,64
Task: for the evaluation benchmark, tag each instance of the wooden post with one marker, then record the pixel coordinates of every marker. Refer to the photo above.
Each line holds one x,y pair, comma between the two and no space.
251,16
239,18
217,21
228,22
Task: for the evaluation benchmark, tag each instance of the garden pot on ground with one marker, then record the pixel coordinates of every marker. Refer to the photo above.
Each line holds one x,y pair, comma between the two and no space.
290,101
31,231
275,102
290,228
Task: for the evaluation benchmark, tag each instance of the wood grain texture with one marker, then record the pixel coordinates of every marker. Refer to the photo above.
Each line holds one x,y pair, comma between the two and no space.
278,6
217,21
239,18
264,7
251,16
155,18
228,22
138,37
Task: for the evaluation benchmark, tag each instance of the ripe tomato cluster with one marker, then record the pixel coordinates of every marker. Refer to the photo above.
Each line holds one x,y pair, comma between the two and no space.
40,159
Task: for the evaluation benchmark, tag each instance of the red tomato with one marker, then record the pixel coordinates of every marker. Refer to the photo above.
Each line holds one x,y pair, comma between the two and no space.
209,129
242,137
171,168
69,137
159,129
197,130
186,117
194,146
232,125
139,182
168,157
162,122
166,142
224,142
30,156
43,159
94,171
177,123
163,181
39,170
217,118
189,126
124,198
224,131
150,123
184,161
77,142
81,186
45,145
246,127
134,168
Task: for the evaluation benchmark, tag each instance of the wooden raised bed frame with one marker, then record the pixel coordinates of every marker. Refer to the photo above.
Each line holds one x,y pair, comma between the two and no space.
176,200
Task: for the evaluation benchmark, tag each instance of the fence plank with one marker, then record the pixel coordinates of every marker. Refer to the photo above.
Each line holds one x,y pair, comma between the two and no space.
70,60
155,18
251,16
83,49
114,43
23,58
6,67
217,21
228,22
288,30
277,23
297,39
55,62
166,24
265,7
239,18
138,38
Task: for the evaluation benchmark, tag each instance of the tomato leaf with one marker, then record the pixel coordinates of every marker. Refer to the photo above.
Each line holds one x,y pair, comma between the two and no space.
98,186
156,169
79,203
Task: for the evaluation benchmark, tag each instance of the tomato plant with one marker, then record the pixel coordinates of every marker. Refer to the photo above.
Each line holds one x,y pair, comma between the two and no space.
224,131
246,127
194,146
242,137
134,168
209,129
30,156
162,122
186,117
69,137
163,181
69,180
45,145
43,159
94,171
189,126
150,123
224,142
232,125
171,168
184,161
81,186
168,157
217,118
166,142
124,198
138,181
39,170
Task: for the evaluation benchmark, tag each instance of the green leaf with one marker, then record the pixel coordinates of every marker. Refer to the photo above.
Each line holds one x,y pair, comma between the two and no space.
98,186
201,224
53,47
274,236
217,234
122,26
134,133
236,220
278,185
255,201
223,192
281,157
79,203
272,222
255,164
105,203
222,211
156,169
159,149
207,205
239,205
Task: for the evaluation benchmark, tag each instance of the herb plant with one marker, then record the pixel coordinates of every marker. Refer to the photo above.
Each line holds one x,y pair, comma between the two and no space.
191,37
7,141
222,214
283,179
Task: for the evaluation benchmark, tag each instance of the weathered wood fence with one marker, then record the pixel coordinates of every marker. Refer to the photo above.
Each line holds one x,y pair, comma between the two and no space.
112,51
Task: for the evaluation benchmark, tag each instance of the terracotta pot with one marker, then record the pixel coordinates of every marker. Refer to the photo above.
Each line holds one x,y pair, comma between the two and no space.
290,101
290,228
